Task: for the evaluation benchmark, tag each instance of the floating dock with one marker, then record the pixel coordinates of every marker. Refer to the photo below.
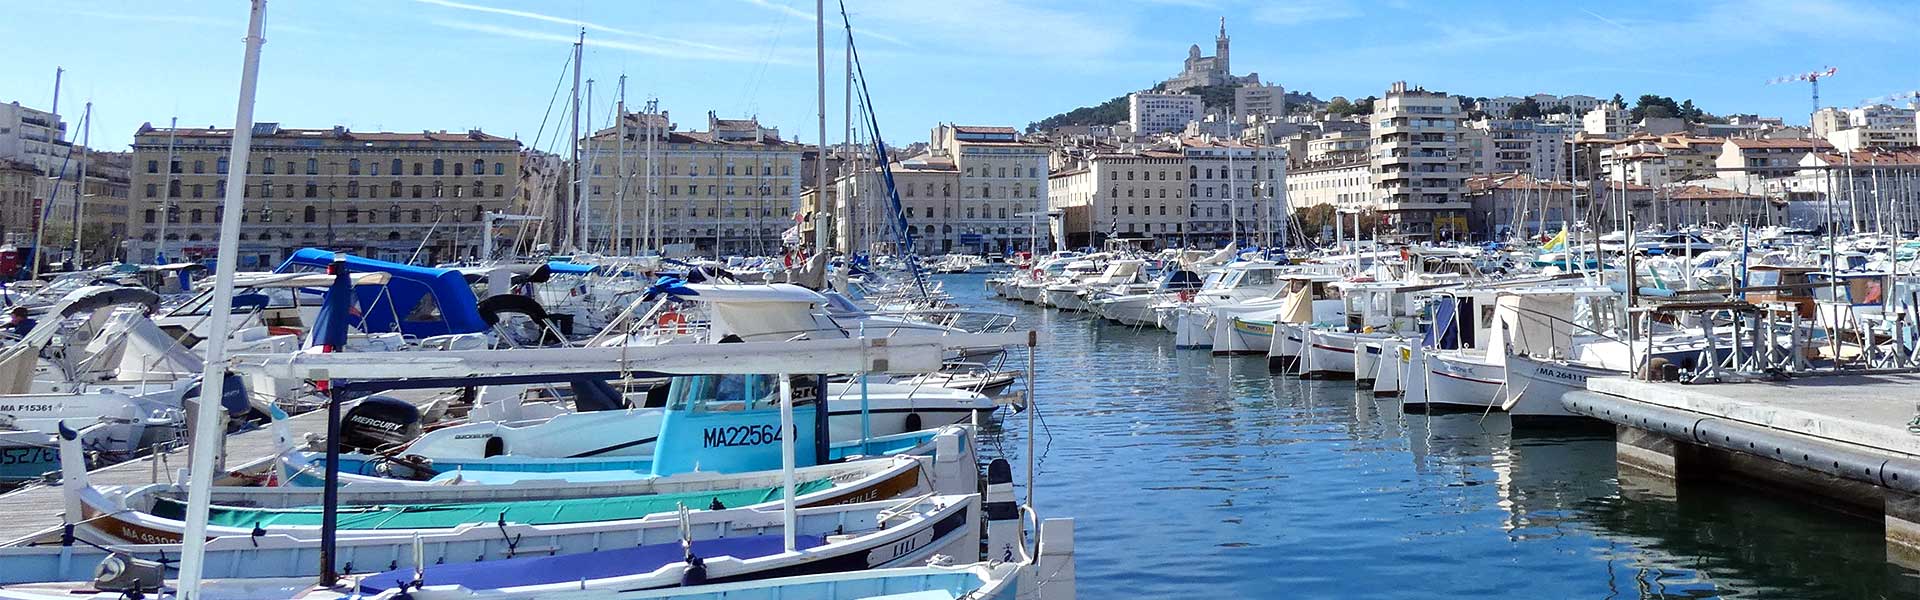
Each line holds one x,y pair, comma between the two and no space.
1841,438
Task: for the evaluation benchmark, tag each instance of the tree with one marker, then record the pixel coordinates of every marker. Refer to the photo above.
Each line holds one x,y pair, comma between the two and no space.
1651,106
1618,101
1339,106
1364,106
1526,109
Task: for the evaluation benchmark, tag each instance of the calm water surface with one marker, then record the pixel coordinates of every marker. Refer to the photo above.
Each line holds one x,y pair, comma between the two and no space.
1200,477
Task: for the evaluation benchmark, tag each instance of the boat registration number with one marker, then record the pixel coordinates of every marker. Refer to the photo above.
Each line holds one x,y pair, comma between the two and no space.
19,408
28,456
739,435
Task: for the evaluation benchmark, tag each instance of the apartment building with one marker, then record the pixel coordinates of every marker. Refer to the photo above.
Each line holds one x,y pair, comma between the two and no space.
731,189
1419,169
1606,120
1153,113
1751,161
1661,160
1254,101
1197,193
1523,146
1341,181
387,195
1872,126
32,136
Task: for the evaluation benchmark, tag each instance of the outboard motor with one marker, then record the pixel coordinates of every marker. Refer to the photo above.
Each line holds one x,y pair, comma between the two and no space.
378,422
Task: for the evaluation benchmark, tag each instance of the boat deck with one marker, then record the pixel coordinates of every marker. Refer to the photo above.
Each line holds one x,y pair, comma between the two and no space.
35,510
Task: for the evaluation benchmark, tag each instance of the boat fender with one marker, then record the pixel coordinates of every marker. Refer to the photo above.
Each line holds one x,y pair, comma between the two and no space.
696,573
913,422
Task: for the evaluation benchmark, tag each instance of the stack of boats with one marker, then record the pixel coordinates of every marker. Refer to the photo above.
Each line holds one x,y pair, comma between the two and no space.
1501,327
704,438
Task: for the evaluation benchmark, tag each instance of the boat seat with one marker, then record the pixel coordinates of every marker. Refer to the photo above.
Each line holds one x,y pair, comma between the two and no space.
566,568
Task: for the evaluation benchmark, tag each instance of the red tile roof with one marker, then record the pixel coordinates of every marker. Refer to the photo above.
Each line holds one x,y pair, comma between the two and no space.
1788,144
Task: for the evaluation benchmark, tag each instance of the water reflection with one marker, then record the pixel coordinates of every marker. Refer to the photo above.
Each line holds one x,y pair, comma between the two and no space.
1197,476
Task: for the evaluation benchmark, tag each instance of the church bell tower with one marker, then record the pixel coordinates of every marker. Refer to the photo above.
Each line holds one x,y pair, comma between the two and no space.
1220,60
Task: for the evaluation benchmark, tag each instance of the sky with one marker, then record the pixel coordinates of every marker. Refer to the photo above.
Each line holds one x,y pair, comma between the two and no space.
412,65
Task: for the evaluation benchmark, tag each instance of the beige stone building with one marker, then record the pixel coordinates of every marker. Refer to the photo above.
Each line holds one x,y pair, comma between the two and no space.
1342,182
976,189
377,194
734,187
20,194
1196,194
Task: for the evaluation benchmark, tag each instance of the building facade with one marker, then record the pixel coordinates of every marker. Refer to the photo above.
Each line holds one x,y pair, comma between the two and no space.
1341,181
1252,101
407,197
32,136
731,190
977,189
1419,168
1199,193
1152,113
1605,120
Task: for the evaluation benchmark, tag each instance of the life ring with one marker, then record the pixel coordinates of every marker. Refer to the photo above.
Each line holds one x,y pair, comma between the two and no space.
671,321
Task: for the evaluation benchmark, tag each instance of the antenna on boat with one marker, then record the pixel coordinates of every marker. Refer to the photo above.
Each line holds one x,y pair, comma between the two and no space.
207,415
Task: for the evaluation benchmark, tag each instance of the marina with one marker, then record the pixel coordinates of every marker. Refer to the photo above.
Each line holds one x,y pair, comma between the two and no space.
1213,338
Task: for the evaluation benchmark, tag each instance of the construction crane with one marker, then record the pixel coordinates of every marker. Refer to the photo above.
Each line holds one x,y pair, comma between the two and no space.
1908,97
1812,77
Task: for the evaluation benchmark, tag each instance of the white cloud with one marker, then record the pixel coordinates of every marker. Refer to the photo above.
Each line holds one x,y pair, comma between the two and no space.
1295,12
664,49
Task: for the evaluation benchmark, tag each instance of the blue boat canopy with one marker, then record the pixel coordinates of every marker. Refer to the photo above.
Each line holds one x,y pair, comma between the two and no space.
416,301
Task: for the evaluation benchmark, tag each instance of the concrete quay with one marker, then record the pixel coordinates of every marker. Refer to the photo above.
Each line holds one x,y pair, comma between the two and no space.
1836,438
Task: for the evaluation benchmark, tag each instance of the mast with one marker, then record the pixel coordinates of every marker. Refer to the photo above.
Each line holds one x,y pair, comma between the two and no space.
166,203
206,434
843,203
578,193
649,228
80,188
585,206
620,169
821,211
39,230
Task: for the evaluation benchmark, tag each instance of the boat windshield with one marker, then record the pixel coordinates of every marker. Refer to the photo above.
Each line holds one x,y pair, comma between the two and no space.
724,393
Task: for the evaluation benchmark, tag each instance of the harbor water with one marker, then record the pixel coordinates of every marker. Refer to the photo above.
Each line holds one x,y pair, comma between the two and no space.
1194,476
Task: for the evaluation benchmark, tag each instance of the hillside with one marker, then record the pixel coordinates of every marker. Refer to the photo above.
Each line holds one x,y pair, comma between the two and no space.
1115,110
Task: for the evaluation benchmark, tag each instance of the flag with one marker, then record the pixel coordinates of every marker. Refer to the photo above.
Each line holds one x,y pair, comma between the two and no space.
1558,241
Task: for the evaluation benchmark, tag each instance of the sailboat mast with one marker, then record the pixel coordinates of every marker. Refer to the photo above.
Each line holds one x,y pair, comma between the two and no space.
80,187
166,205
651,228
579,183
821,212
207,432
620,170
585,207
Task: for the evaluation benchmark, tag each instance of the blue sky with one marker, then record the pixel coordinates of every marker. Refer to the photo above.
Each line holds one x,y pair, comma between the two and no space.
410,65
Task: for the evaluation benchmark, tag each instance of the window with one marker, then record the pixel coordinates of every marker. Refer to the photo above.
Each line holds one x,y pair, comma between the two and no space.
197,215
439,190
353,166
266,165
313,166
313,189
353,189
478,211
373,168
309,214
353,215
417,169
439,166
220,166
198,190
499,168
266,190
458,188
153,190
416,190
199,166
416,215
396,167
1193,172
153,166
149,215
479,166
220,188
